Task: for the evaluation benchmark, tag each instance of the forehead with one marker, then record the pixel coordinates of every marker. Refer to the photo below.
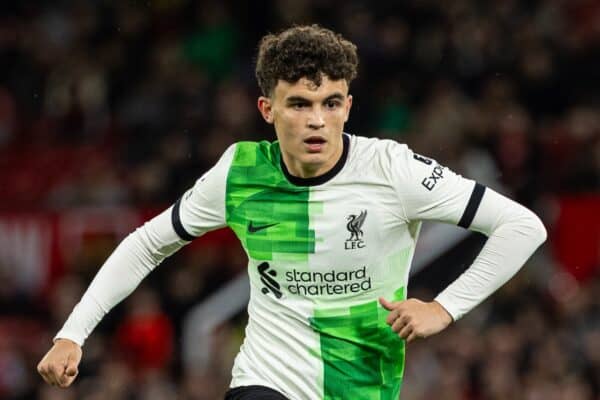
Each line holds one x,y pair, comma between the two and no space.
307,89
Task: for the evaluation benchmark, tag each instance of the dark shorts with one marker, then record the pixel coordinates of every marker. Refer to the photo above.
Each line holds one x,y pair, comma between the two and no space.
253,392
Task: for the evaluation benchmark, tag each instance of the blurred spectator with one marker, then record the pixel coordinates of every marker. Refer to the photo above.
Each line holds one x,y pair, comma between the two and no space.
144,337
8,117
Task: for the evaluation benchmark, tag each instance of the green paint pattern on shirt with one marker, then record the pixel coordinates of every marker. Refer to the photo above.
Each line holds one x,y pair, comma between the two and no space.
363,358
269,215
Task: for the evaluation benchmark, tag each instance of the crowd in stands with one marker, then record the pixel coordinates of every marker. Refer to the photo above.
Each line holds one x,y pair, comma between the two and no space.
126,104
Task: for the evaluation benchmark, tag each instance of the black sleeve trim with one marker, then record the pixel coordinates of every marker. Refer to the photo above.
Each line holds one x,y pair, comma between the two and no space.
472,206
176,220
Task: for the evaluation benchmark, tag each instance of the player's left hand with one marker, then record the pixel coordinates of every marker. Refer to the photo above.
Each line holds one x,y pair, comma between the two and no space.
413,318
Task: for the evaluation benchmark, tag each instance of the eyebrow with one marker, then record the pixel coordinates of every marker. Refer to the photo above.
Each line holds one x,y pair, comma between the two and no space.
300,99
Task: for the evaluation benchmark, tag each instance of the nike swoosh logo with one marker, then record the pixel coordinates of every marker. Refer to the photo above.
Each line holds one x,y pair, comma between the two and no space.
255,228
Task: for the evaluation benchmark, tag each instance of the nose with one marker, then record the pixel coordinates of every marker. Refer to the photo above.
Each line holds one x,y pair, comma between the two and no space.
316,119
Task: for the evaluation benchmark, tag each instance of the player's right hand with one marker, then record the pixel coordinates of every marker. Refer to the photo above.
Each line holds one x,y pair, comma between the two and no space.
59,365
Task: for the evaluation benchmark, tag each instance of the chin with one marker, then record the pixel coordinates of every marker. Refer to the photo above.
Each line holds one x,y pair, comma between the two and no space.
314,159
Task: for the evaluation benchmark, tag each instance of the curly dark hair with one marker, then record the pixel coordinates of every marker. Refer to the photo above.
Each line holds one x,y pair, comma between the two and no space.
304,51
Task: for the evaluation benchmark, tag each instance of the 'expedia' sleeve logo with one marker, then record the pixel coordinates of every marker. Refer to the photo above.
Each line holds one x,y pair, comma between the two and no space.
430,181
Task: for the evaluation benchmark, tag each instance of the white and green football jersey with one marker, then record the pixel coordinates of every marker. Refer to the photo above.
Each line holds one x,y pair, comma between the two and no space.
321,251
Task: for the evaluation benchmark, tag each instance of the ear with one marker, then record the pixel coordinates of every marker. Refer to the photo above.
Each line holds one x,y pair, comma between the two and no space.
348,107
265,108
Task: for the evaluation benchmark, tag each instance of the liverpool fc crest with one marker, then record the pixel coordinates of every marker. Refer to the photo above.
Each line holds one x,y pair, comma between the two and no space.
354,226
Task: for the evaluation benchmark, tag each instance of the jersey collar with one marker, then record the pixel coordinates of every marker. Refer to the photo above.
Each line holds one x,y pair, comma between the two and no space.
321,179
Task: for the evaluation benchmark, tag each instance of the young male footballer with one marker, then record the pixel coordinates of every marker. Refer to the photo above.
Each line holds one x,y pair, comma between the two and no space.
329,221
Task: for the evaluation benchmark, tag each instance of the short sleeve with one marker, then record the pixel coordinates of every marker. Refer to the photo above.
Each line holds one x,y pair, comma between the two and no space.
430,191
202,208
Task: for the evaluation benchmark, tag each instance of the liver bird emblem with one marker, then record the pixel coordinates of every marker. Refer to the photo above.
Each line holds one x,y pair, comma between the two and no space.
355,224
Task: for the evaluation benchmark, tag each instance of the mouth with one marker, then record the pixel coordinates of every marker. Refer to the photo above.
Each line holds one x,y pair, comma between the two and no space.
315,143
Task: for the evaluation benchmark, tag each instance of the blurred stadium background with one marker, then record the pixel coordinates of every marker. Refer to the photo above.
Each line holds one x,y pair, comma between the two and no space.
110,110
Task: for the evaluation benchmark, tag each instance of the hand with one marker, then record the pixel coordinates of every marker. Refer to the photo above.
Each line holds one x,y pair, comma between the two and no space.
59,365
414,318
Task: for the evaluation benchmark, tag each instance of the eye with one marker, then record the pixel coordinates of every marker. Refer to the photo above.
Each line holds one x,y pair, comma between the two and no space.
299,106
332,104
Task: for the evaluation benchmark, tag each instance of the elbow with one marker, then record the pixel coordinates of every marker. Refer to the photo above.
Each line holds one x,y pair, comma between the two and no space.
538,230
543,233
528,226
